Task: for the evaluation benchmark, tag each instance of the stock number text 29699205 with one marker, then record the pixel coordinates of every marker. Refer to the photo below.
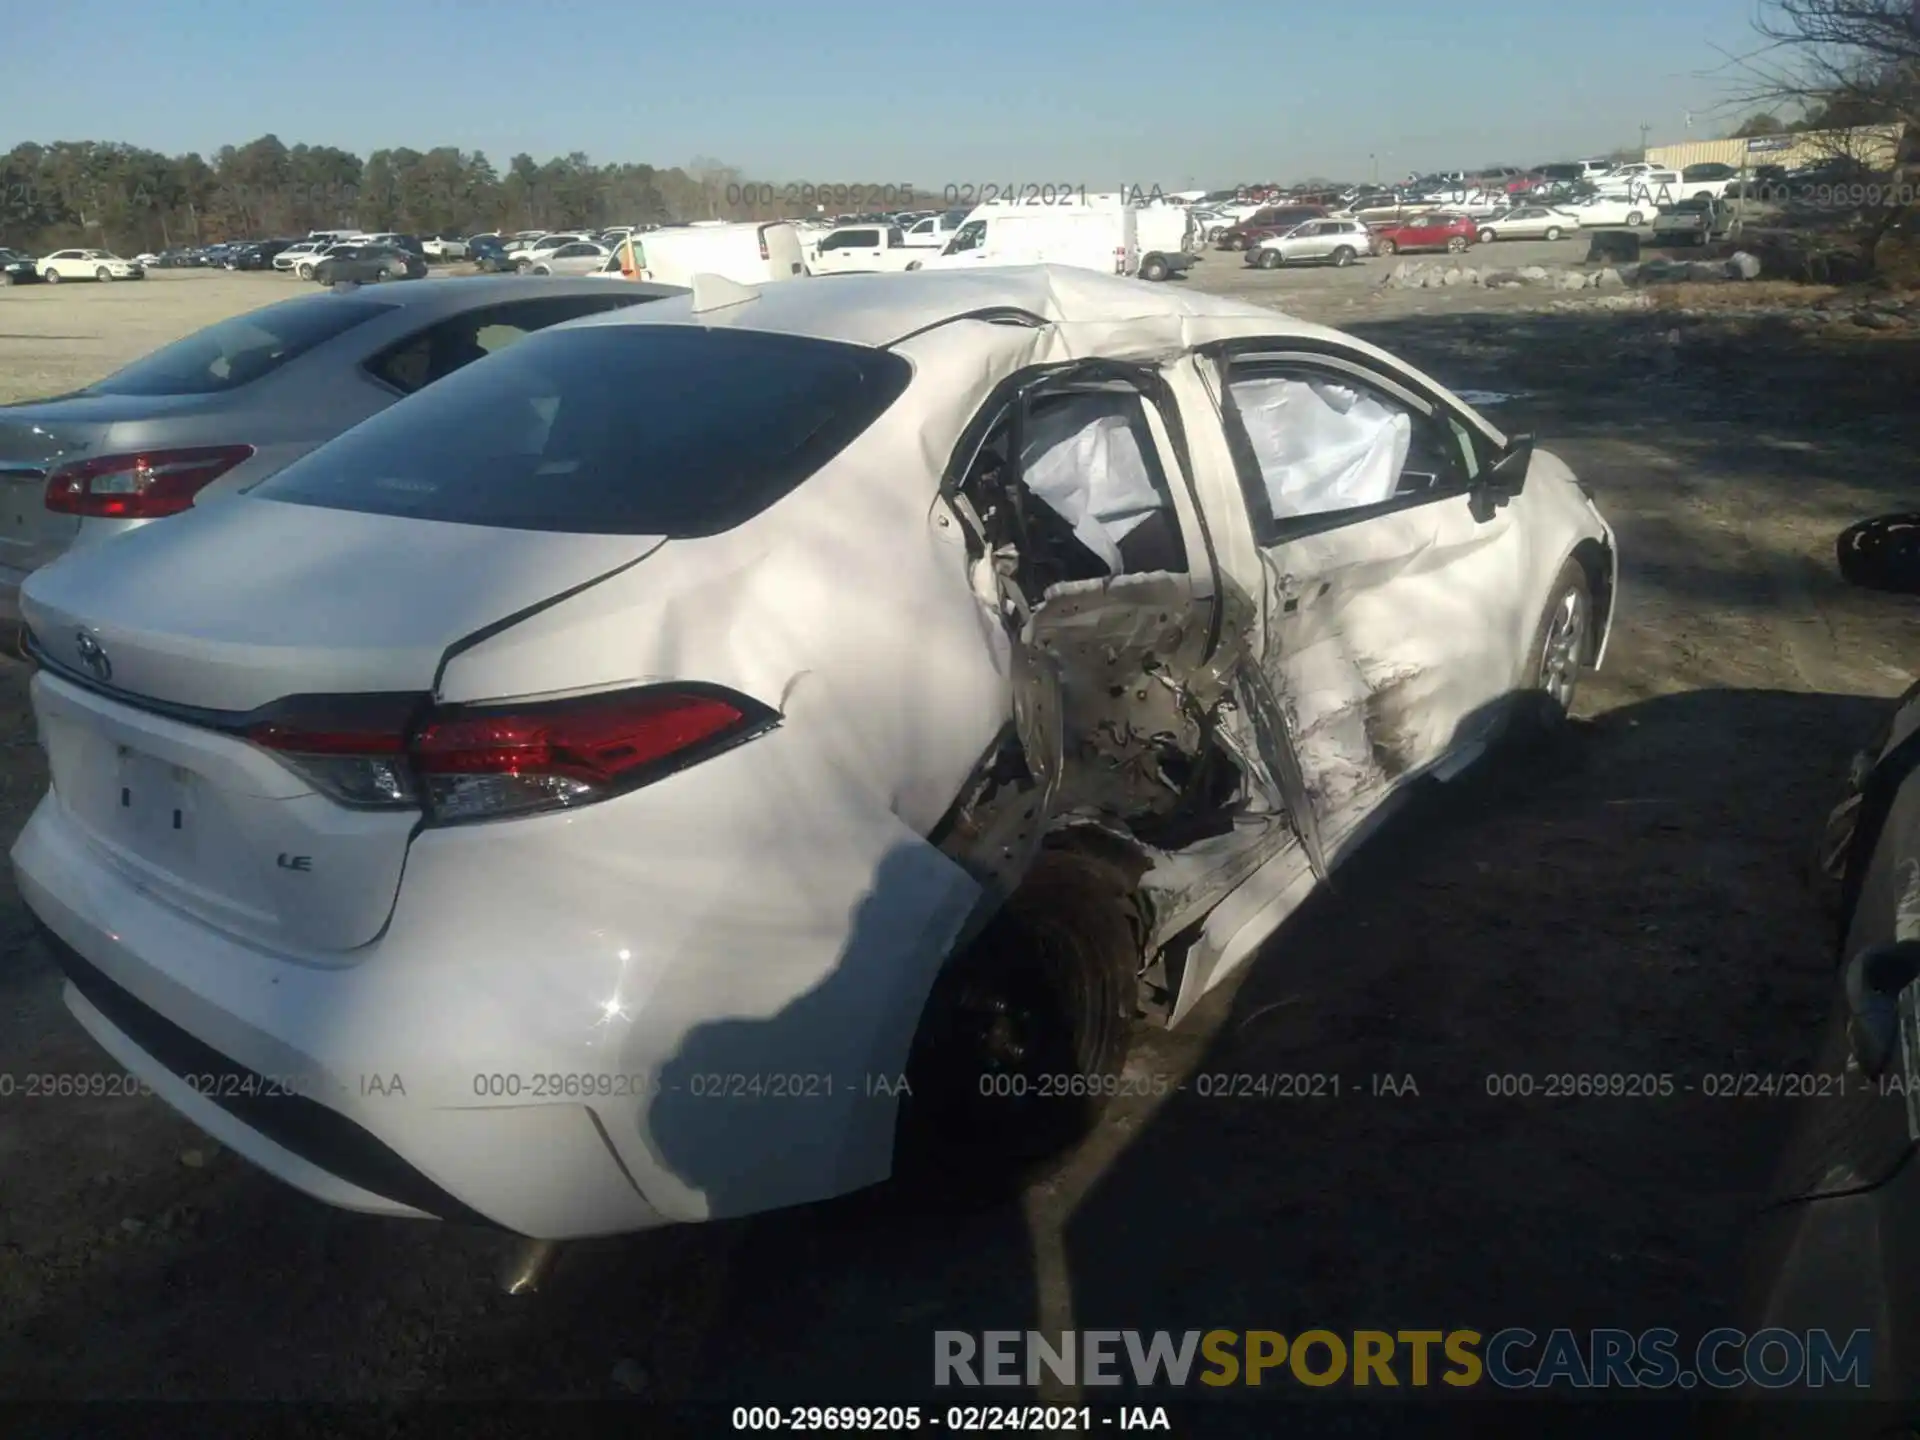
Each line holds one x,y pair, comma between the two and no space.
851,197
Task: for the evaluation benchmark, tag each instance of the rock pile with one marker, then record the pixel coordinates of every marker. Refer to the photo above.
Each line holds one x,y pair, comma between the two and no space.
1438,274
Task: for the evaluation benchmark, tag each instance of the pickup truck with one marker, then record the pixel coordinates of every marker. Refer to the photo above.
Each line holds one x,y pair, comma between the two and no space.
854,249
1706,182
1693,222
933,231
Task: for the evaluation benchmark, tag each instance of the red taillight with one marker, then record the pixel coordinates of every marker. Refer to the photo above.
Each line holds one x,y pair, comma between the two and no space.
490,762
141,486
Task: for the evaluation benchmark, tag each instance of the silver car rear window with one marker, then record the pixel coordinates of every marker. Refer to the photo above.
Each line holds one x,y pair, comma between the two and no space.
239,351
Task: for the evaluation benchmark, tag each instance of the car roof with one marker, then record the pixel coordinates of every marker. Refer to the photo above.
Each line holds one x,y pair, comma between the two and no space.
883,309
448,295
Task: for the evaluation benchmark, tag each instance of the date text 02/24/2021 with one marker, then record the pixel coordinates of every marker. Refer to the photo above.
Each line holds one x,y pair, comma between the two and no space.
953,1419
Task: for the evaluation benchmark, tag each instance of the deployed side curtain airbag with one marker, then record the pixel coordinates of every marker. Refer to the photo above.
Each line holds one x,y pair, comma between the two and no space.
1322,446
1083,458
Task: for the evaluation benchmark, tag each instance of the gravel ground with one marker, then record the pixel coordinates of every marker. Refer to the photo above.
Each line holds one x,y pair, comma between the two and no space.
1631,901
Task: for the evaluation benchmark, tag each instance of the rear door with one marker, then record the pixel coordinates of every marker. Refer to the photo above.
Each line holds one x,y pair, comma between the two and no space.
1312,241
1390,589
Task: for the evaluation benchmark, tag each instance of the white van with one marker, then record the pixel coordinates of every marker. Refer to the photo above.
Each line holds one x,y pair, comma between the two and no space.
1090,237
1168,241
746,253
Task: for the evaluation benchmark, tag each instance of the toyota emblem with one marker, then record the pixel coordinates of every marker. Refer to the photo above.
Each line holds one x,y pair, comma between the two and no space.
92,656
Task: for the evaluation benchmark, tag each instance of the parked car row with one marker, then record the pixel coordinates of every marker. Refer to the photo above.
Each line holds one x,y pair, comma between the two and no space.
389,663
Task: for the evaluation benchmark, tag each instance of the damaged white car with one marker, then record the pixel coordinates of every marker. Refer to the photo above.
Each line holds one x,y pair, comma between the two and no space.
703,758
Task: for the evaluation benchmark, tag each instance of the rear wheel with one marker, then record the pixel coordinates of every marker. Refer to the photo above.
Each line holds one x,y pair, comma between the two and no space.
1634,217
50,275
1553,232
1024,1032
1457,244
1154,268
1343,257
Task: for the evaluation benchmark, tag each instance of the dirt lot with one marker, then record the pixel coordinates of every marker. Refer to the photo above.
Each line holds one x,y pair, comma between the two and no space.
1632,901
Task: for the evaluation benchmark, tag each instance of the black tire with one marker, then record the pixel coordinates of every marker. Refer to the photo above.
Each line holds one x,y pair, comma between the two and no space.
1342,257
1271,260
1543,714
103,275
1882,554
1154,268
51,276
1389,247
1553,232
305,272
1456,244
1487,237
7,277
1236,242
1048,989
1634,217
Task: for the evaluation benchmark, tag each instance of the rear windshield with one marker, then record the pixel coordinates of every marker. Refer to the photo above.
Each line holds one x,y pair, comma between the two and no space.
241,350
665,430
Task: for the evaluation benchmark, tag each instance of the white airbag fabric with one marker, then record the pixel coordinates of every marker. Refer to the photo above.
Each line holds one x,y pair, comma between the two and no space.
1083,459
1321,446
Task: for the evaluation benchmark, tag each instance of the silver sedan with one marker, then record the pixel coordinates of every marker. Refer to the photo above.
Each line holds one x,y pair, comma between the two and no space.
1529,222
233,403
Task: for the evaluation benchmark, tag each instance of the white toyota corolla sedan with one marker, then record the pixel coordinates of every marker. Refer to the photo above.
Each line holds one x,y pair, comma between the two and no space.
710,756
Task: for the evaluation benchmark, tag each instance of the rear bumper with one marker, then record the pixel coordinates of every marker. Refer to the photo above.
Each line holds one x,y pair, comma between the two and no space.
567,1028
283,1098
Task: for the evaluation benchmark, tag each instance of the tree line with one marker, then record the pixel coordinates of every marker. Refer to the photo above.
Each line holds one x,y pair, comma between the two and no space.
127,198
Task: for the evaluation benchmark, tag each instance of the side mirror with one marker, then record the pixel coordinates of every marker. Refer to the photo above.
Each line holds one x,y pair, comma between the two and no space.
1509,474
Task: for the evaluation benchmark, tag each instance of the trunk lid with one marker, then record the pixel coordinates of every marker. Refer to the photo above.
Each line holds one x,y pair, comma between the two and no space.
38,438
224,610
30,450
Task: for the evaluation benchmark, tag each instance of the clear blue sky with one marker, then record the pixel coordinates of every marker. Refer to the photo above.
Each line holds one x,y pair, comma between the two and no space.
1206,92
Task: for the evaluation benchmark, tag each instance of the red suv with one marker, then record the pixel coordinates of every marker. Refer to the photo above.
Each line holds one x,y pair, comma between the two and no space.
1273,220
1424,232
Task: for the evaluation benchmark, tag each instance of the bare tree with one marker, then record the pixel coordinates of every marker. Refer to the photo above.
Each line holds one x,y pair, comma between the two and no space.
1847,63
